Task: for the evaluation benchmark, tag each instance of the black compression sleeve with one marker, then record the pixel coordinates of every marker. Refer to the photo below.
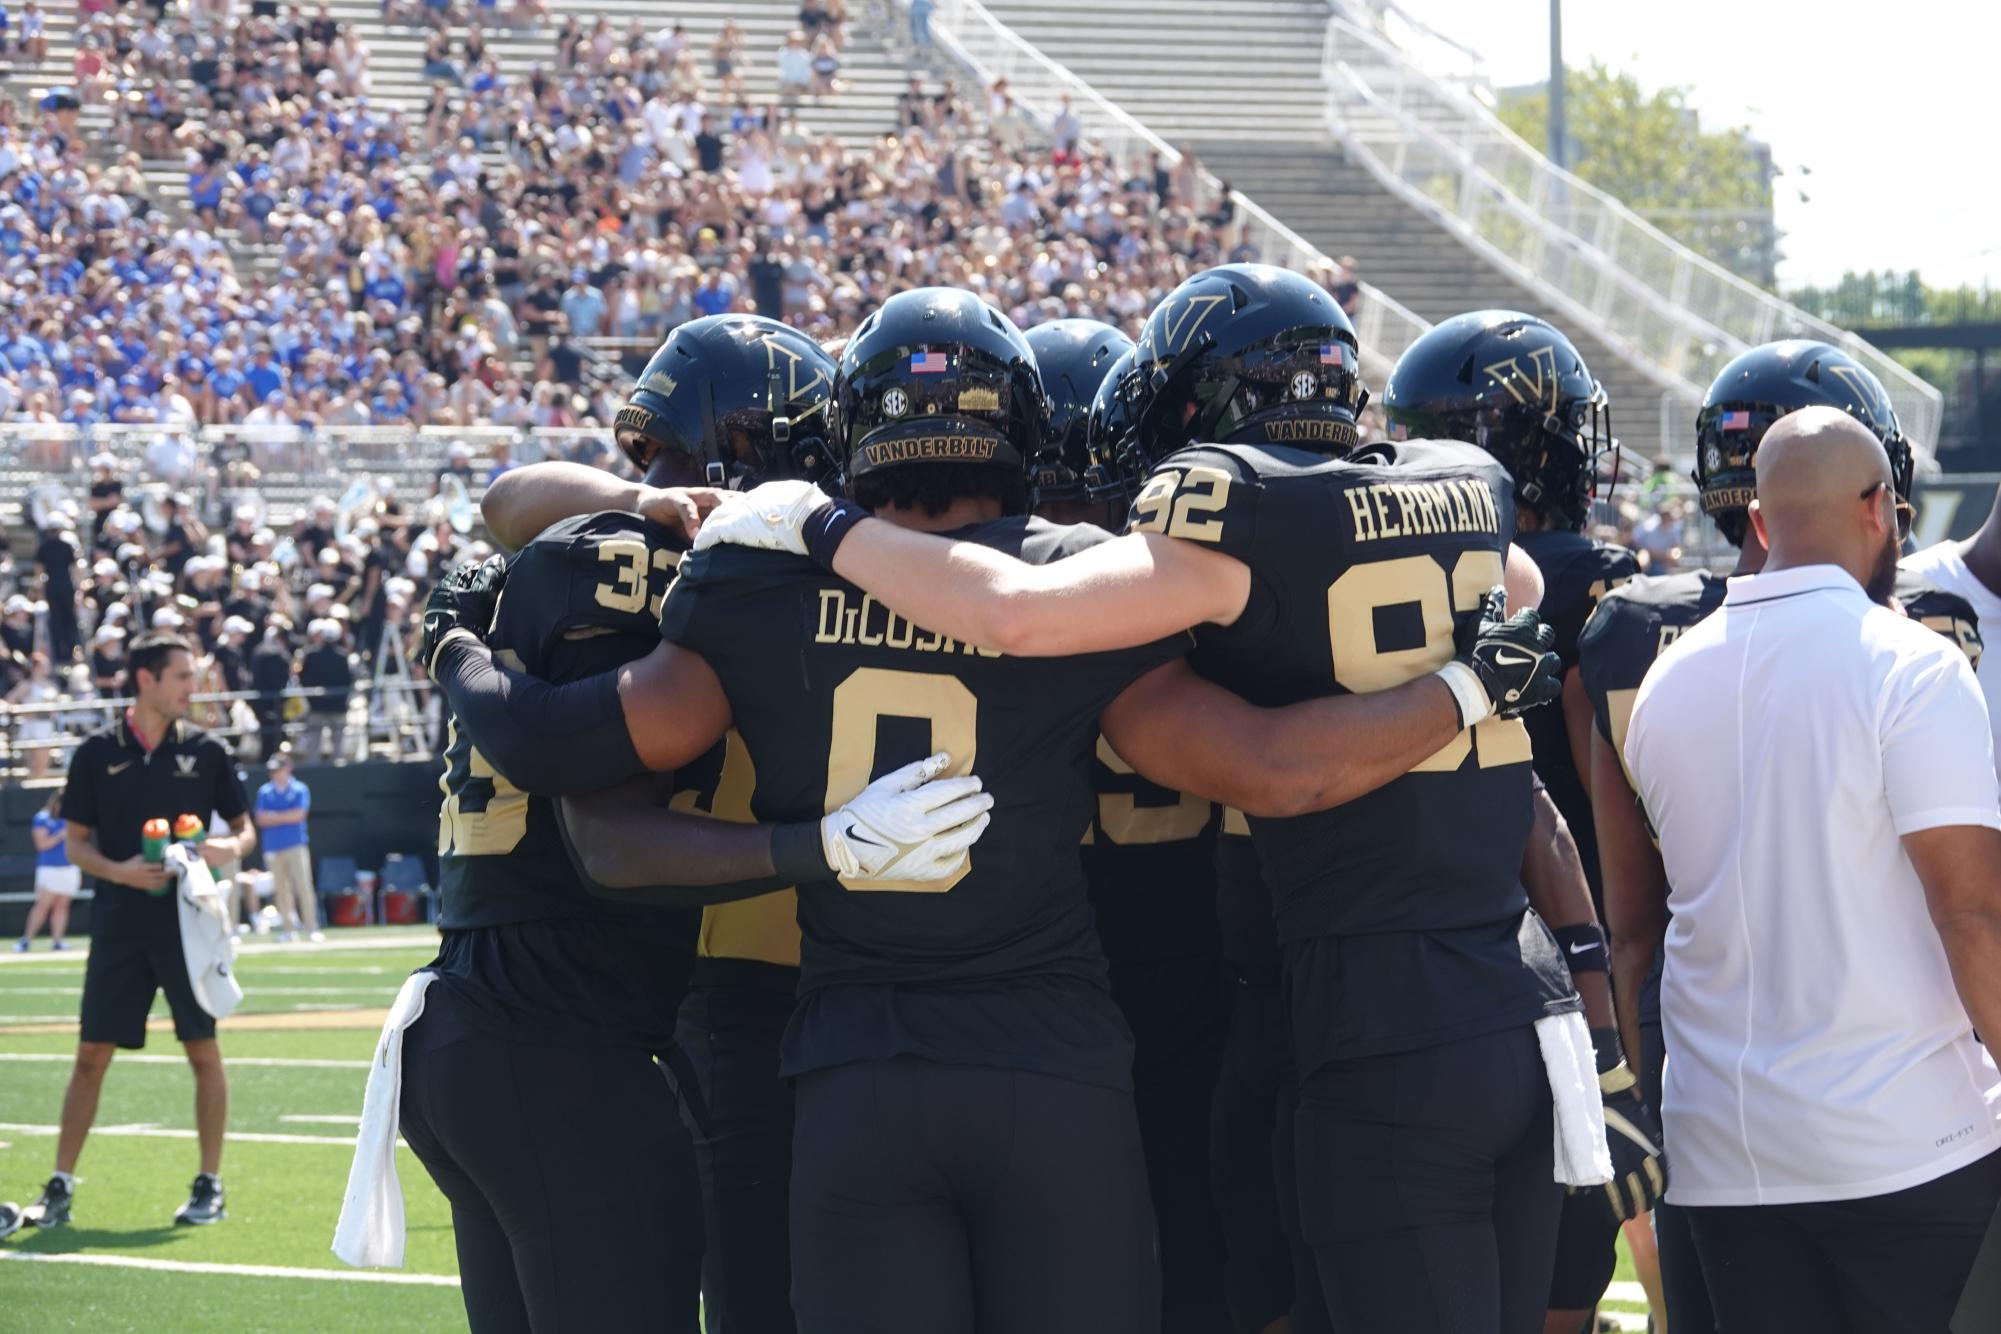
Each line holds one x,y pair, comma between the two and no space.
545,739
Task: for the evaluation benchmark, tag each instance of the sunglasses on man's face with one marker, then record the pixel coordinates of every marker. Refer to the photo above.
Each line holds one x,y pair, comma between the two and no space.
1902,507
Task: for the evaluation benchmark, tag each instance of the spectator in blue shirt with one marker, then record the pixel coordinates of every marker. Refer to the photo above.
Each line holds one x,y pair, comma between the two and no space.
264,375
56,881
584,305
280,810
716,294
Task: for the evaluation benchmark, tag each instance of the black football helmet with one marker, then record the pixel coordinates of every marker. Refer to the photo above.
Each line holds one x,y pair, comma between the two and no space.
1516,387
1074,358
741,398
1109,430
937,375
1243,353
1764,384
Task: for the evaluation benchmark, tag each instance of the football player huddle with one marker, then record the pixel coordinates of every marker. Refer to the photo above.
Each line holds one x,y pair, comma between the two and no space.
1093,842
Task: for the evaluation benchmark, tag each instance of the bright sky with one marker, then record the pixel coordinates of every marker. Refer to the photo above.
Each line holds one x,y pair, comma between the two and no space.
1888,108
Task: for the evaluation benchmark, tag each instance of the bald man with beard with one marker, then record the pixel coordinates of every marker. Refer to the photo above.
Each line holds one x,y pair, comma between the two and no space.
1820,774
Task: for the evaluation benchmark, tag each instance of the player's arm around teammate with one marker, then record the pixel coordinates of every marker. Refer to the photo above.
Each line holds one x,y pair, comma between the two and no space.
660,714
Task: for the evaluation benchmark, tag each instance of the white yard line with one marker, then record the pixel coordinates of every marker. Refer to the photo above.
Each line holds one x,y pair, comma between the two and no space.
1626,1291
169,1132
366,989
251,949
243,1271
280,1062
323,1120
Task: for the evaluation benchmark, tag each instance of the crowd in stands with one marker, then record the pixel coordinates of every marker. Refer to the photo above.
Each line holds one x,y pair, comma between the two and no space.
318,605
342,263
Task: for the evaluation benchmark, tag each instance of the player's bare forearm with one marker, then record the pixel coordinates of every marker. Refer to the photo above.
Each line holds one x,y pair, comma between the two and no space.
523,501
1960,867
1118,594
1193,736
1553,875
625,839
674,706
1635,884
1577,719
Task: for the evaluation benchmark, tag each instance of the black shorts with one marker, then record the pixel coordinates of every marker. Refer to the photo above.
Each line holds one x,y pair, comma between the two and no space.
569,1173
725,1068
119,981
1176,1008
1426,1187
944,1199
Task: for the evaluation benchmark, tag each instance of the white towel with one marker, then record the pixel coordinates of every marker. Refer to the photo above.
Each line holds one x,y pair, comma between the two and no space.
370,1230
1583,1158
208,947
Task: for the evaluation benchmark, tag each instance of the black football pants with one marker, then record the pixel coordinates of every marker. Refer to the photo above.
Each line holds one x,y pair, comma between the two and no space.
740,1114
1269,1270
1175,1008
571,1181
943,1199
1683,1287
1888,1264
1426,1186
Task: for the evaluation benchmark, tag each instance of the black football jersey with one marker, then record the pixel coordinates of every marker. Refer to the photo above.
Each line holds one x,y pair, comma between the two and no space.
529,949
580,599
1358,567
1948,613
1576,573
830,690
1148,865
1631,628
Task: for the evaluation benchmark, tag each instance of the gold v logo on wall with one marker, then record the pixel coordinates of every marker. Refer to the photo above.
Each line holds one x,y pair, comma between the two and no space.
1183,325
1535,386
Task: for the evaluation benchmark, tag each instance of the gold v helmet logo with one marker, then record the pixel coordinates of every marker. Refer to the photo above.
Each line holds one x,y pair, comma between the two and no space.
773,350
1535,386
1180,327
1867,395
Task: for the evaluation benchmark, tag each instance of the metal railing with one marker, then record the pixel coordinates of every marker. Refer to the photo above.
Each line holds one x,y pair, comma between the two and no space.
289,462
1638,289
390,718
991,50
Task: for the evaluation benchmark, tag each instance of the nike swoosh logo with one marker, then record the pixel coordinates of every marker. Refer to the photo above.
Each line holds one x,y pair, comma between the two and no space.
1511,662
1582,949
855,835
118,768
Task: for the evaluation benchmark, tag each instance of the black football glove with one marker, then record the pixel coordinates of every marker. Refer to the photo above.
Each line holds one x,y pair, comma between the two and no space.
1639,1163
463,600
1510,654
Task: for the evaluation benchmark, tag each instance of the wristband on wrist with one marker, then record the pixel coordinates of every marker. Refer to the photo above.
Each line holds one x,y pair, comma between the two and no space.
824,529
1614,1075
1583,946
797,853
1467,692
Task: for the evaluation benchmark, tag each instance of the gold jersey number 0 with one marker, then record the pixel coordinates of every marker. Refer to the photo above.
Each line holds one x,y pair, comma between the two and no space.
872,693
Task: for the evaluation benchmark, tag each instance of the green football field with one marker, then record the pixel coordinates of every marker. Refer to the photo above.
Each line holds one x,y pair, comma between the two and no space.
298,1052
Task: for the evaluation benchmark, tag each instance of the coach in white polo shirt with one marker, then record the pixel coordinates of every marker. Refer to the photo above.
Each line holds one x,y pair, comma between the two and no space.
1820,774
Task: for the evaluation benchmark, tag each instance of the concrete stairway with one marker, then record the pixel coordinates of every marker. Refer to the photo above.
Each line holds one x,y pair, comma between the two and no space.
1239,85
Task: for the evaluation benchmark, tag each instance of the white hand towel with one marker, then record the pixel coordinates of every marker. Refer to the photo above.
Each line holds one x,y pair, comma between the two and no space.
1582,1156
370,1230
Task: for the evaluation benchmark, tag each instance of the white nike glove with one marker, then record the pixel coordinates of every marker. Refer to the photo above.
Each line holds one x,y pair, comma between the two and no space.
770,517
909,825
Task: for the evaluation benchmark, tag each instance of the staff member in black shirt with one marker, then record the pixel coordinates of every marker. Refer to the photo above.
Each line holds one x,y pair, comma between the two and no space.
148,764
